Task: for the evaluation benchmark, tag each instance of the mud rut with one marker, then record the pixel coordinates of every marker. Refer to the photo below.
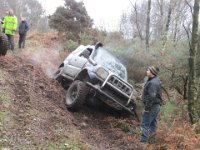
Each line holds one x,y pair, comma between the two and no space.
38,117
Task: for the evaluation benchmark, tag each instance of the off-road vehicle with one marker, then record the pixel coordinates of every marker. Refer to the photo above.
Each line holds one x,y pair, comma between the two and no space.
4,44
93,72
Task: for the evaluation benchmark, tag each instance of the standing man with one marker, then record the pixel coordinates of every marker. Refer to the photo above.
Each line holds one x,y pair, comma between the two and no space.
10,27
23,28
151,98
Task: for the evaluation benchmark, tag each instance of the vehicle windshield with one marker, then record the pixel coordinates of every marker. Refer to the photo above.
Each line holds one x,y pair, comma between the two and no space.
106,59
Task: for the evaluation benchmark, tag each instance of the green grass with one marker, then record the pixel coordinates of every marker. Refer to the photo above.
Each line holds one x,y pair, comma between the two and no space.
169,109
3,142
4,96
128,128
2,117
4,101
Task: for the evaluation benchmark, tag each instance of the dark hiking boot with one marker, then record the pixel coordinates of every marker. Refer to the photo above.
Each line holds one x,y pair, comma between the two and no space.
152,138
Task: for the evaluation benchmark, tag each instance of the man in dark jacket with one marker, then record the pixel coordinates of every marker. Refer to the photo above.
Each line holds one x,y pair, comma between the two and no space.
23,28
151,98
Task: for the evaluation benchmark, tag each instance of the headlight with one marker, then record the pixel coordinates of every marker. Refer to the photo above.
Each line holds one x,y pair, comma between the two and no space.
102,73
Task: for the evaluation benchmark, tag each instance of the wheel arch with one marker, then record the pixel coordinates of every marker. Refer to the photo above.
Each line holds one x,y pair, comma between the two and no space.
82,76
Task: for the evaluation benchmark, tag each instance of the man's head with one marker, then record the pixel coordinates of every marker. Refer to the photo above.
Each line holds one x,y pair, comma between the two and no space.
7,12
23,19
152,71
10,12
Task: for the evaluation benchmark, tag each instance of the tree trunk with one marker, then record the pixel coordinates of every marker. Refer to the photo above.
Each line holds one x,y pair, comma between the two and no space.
197,104
148,24
175,31
197,107
198,99
198,57
167,25
192,92
161,20
137,24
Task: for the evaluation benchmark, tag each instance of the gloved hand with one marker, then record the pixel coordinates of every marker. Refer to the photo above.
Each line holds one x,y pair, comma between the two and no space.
146,109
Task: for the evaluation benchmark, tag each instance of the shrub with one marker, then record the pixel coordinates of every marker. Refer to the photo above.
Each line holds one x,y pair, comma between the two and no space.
70,45
85,39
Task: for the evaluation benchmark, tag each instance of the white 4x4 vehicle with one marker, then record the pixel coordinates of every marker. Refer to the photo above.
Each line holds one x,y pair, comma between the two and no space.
91,71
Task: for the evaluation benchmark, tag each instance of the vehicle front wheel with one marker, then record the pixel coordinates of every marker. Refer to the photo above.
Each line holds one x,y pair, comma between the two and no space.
76,95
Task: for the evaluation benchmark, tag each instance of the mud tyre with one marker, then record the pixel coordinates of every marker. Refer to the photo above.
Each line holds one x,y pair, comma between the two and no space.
76,95
4,44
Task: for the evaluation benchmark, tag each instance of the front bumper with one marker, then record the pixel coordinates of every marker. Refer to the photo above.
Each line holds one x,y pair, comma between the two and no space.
119,99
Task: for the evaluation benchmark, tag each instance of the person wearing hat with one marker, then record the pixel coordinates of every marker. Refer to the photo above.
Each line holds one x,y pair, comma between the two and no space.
23,28
151,98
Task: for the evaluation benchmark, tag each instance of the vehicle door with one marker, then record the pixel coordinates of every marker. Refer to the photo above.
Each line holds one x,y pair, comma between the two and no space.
75,64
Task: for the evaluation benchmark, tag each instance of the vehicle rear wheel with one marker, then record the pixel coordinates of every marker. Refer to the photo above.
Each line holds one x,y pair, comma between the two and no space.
4,44
76,95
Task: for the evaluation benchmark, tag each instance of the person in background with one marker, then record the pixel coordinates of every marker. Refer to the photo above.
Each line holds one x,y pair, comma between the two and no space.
151,98
1,20
10,27
23,28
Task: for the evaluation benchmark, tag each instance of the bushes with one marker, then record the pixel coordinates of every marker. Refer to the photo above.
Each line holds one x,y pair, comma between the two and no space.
70,45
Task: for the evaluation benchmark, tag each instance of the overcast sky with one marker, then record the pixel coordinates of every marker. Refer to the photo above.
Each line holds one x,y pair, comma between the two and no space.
105,13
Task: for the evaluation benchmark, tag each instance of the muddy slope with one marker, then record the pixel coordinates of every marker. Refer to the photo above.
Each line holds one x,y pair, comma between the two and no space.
37,117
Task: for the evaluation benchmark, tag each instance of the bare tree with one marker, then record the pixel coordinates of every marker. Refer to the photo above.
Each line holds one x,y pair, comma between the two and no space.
161,13
126,27
181,16
171,5
148,24
138,27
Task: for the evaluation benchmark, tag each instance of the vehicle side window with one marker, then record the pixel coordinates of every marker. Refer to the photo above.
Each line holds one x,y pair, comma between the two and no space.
86,53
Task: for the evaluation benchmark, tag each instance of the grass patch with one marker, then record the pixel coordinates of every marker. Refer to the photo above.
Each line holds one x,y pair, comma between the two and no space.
168,110
4,96
2,117
4,101
128,128
3,142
